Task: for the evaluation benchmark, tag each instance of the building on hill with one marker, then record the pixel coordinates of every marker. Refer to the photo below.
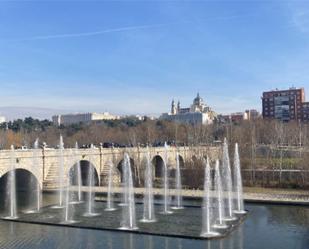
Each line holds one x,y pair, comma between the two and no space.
2,119
197,113
69,119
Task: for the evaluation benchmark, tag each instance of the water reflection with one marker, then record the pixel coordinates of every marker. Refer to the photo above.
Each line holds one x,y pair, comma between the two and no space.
19,235
237,240
149,242
166,243
289,216
179,244
109,242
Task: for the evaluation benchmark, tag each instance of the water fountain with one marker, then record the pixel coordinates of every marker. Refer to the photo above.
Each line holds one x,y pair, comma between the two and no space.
238,184
212,217
148,215
166,206
227,183
79,175
178,185
60,173
220,211
128,221
11,187
37,165
207,209
35,168
125,193
68,217
90,194
110,193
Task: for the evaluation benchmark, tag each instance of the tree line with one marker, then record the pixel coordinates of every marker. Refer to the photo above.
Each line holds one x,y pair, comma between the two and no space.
265,145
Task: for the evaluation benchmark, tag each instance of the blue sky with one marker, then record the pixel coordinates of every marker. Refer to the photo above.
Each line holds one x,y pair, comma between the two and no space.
135,56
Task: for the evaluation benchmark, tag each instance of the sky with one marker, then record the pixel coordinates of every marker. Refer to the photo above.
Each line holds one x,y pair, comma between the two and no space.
134,57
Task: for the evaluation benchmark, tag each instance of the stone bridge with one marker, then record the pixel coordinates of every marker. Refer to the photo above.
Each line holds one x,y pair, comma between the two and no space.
44,163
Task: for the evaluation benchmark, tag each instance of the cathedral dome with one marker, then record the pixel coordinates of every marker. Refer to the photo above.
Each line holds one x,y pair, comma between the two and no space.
198,100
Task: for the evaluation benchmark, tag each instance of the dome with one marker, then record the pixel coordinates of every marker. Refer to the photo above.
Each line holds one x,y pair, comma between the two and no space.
198,100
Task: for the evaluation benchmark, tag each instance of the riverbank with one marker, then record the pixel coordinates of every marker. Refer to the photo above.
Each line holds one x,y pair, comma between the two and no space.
276,196
251,194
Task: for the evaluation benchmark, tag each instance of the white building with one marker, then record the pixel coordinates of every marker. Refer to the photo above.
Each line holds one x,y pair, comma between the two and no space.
2,119
139,117
197,113
68,119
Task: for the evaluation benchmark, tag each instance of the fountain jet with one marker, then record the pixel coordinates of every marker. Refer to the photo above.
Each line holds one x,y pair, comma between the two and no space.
69,208
208,215
90,202
11,187
110,192
125,193
36,169
166,206
128,221
227,183
60,173
178,185
79,174
238,184
148,215
220,214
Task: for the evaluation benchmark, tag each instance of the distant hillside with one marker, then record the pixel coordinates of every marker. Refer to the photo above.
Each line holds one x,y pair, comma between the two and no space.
12,112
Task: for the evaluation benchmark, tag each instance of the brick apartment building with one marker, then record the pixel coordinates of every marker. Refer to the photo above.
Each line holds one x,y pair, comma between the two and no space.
305,112
285,105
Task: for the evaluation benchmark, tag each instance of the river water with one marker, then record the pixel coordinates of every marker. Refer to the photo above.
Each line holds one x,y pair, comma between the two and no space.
267,226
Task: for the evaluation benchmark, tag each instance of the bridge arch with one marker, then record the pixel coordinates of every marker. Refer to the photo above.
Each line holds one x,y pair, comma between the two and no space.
181,161
26,186
158,165
85,167
194,159
120,170
27,165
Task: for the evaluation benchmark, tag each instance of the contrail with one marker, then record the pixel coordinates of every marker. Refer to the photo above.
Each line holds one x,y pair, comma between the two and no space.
100,32
94,33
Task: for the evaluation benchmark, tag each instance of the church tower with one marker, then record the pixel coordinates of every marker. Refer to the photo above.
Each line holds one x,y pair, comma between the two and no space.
178,107
173,108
